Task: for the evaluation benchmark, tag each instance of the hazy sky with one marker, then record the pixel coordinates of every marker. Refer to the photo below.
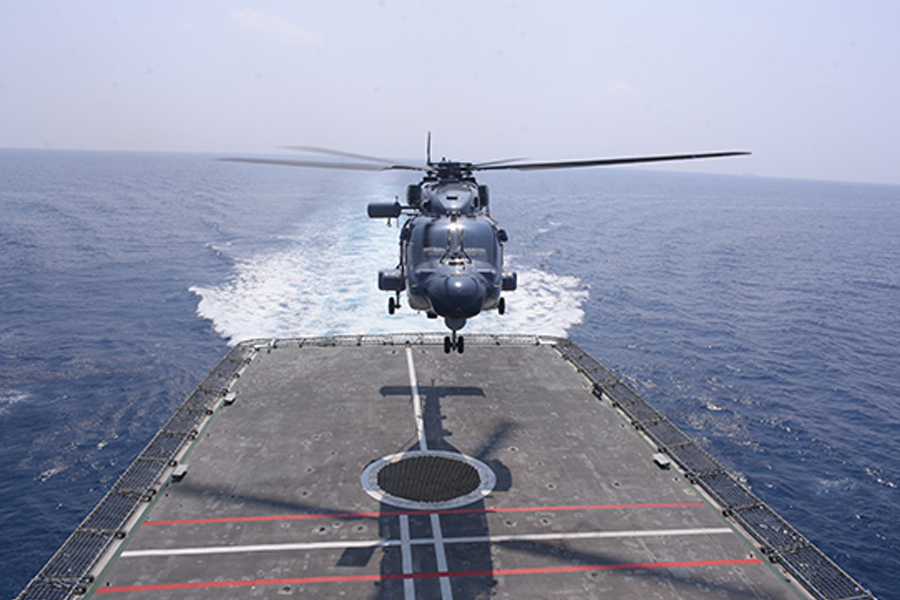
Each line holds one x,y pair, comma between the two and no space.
812,87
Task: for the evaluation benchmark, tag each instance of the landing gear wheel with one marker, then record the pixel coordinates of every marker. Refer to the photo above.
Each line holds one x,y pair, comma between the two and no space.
454,343
392,305
501,306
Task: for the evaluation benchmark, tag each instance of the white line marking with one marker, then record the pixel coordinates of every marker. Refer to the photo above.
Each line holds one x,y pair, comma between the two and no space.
475,539
409,586
263,548
582,535
417,401
441,554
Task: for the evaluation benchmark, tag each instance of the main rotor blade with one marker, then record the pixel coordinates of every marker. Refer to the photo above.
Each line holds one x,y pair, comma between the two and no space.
491,163
600,162
377,159
323,165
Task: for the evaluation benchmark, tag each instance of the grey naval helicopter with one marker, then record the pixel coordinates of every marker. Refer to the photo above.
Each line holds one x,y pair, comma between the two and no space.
451,249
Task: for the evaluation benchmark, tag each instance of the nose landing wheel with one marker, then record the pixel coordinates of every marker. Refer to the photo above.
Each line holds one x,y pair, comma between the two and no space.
454,343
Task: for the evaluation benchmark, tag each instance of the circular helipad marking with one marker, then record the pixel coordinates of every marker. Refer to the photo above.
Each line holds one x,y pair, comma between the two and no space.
428,480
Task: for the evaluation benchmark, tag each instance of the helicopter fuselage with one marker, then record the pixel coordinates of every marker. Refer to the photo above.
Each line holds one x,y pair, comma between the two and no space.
451,252
452,264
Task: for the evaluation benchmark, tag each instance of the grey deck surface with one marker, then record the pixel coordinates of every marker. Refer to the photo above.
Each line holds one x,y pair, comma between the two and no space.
272,502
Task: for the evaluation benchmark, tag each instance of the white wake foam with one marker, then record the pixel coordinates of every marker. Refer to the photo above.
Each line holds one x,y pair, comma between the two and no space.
325,283
9,398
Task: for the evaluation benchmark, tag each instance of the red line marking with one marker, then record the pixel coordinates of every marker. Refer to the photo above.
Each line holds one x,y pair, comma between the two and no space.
457,511
387,577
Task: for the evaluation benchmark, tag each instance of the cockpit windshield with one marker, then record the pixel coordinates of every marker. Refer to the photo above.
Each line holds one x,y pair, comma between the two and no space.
478,241
467,240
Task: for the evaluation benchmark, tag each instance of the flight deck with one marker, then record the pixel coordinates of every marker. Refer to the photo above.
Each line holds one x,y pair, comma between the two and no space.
380,467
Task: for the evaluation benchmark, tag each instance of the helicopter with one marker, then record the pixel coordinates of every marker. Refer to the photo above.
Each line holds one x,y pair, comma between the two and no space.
451,249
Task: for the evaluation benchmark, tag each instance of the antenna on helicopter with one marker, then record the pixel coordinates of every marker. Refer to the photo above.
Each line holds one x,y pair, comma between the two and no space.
428,149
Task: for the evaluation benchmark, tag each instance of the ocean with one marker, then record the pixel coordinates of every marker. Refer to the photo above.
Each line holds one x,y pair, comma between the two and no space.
761,315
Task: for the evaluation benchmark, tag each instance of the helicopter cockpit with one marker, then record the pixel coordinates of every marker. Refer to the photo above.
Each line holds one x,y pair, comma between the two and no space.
463,241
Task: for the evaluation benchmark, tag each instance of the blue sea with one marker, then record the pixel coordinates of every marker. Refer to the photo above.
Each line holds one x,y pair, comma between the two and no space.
761,315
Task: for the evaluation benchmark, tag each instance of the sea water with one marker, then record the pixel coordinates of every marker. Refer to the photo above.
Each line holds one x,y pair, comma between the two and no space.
761,315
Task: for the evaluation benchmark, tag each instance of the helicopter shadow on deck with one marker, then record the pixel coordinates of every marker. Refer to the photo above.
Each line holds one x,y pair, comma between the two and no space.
436,434
472,558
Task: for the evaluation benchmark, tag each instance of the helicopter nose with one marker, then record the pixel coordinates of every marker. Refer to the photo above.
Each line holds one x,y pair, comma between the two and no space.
456,296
